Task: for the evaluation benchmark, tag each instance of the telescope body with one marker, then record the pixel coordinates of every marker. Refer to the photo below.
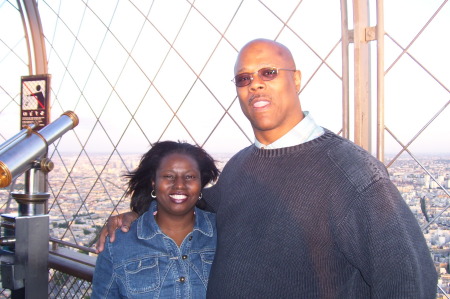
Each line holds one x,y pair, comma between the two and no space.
18,154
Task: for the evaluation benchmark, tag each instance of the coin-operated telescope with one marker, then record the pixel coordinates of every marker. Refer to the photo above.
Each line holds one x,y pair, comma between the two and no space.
25,235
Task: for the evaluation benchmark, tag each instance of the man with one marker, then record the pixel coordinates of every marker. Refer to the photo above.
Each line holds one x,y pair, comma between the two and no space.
304,213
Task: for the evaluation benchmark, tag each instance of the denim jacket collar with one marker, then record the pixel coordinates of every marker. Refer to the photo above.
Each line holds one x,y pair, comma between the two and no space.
147,227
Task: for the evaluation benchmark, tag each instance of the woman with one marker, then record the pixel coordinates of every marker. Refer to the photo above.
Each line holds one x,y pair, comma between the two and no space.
170,248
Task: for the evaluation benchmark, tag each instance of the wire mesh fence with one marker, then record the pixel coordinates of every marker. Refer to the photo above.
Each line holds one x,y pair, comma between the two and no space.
137,72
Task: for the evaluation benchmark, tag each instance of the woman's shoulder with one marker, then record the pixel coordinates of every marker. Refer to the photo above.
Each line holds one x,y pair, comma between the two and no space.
206,222
207,214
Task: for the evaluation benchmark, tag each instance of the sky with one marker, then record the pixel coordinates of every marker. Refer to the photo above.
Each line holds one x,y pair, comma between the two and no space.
183,59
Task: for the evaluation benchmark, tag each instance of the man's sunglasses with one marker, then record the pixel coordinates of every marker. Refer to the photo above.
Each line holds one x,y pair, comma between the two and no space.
266,74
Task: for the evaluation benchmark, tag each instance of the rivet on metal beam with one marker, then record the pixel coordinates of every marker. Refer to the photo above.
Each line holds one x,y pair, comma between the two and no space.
371,33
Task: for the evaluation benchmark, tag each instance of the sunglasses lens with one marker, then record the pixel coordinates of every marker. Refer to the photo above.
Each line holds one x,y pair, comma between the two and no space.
268,74
243,79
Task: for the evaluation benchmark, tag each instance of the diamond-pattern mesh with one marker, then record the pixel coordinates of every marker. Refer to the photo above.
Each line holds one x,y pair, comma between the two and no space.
136,72
62,285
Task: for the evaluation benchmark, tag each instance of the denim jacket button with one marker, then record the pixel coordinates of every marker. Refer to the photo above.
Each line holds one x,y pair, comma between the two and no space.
182,279
184,257
190,238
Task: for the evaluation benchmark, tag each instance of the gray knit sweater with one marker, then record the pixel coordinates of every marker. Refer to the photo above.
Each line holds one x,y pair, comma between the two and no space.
316,220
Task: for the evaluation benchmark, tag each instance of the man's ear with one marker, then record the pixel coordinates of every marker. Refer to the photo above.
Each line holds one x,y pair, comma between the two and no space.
298,80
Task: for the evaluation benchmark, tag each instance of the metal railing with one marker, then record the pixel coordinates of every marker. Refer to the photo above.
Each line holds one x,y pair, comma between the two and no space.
70,271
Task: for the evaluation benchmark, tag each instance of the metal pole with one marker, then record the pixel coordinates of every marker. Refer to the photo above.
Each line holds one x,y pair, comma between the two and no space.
38,42
380,80
345,71
362,74
31,255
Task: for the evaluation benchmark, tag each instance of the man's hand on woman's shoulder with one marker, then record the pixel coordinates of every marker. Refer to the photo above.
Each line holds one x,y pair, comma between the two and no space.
122,221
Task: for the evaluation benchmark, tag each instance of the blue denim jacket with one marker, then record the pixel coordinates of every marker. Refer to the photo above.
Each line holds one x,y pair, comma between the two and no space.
145,263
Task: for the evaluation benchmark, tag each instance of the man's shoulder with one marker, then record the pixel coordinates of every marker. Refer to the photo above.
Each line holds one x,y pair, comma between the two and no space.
243,151
358,165
240,155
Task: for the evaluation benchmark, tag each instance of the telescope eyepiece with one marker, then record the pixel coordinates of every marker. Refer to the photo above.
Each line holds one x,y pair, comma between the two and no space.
5,175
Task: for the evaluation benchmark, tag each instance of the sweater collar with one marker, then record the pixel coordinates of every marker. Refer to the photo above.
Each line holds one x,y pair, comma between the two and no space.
306,130
291,149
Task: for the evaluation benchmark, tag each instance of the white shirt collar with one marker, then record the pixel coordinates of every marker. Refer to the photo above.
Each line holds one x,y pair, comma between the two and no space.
306,130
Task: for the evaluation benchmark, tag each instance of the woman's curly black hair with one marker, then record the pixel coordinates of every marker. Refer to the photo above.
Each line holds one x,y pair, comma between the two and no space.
140,180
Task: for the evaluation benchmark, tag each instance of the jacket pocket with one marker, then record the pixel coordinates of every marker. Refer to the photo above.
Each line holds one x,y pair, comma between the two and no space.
142,275
207,259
